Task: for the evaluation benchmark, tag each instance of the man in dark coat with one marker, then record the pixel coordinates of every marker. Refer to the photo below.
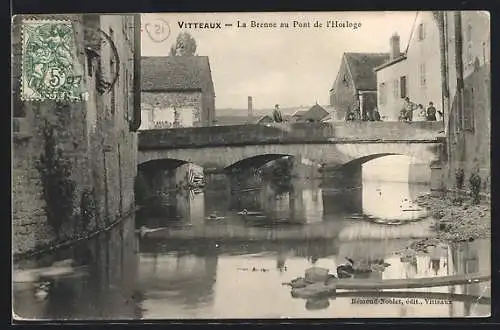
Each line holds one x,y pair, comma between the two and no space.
277,114
431,112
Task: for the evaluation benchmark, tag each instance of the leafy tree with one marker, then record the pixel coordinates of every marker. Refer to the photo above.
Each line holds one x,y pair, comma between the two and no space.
185,45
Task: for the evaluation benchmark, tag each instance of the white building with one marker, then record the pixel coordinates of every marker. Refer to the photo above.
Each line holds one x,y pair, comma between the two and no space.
413,73
146,120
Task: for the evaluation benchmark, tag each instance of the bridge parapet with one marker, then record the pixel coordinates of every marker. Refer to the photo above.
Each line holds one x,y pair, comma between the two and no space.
194,137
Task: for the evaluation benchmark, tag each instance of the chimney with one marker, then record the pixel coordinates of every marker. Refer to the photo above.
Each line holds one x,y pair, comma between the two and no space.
250,107
395,50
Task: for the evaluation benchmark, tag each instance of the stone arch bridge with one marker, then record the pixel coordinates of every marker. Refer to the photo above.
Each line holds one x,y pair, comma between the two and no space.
334,144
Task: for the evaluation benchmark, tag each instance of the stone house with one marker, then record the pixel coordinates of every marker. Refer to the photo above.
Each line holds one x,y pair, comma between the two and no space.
466,75
413,73
74,162
356,83
178,89
297,115
332,114
315,114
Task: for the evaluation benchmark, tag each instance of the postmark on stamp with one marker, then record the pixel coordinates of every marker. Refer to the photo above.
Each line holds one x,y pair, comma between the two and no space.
50,70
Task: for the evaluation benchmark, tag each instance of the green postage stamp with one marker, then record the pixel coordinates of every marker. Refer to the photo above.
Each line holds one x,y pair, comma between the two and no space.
50,68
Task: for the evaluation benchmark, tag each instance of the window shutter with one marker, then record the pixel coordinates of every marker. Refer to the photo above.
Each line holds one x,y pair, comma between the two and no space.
403,86
468,111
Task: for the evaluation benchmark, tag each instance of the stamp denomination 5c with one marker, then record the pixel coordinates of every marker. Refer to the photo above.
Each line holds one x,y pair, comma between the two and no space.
50,69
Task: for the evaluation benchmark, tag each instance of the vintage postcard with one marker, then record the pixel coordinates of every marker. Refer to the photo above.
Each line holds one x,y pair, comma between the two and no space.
251,165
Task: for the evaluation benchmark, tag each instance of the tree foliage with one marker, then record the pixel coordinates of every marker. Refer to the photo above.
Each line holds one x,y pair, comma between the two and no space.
58,187
185,45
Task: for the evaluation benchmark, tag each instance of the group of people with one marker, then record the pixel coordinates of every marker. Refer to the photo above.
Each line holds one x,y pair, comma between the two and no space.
406,113
355,114
408,109
163,124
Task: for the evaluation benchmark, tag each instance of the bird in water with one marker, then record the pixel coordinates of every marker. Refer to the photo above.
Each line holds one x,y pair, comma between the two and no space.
250,213
213,216
42,290
145,230
346,270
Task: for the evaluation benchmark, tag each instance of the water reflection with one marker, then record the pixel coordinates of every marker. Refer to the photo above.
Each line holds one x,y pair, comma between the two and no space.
392,201
172,281
198,275
102,285
303,203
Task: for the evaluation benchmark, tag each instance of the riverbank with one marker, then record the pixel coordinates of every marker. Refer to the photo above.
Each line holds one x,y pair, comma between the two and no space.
457,219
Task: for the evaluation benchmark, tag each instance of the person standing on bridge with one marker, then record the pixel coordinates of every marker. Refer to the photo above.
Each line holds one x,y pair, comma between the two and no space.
431,112
277,114
375,115
409,107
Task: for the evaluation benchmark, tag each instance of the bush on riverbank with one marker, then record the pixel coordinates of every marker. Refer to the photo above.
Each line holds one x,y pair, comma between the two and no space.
458,218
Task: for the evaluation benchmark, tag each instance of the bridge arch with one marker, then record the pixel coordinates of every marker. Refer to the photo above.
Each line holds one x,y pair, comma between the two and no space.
255,161
160,164
365,159
320,153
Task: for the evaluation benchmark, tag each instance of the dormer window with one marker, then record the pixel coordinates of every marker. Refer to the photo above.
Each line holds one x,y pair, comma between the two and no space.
345,81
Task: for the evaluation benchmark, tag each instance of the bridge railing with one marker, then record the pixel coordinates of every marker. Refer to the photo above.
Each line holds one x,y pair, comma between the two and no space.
288,133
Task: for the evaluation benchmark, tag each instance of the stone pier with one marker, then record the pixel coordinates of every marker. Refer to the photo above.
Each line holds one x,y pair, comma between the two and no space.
437,179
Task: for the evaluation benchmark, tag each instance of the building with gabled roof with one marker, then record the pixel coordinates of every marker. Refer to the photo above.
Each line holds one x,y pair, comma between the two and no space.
315,114
355,85
414,72
179,89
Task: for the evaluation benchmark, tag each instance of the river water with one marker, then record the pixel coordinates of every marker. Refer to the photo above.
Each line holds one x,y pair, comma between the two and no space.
233,266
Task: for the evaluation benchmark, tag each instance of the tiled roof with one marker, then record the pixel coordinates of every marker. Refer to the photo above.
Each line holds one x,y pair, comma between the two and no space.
299,113
316,112
176,73
398,59
260,119
362,65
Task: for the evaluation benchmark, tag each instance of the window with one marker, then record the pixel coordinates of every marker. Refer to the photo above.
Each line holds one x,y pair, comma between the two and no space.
403,87
468,41
468,112
127,96
484,52
381,93
395,90
422,75
421,32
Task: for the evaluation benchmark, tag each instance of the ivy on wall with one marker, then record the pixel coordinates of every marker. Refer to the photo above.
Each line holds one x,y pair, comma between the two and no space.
58,187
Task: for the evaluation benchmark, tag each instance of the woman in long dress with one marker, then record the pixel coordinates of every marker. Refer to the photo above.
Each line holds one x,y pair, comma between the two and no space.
420,113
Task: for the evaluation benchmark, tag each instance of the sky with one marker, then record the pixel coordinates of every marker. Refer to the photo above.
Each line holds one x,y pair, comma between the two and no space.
286,66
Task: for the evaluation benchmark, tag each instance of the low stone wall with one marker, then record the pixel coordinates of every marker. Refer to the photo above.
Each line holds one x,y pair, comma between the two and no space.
298,132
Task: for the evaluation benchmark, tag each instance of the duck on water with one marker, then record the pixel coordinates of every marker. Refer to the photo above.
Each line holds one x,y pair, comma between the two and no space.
252,214
214,216
246,212
349,270
42,290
